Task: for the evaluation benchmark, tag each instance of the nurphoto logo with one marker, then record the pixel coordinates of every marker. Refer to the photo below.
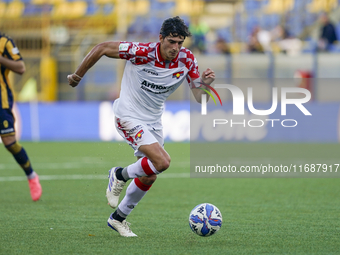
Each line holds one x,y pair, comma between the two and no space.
239,102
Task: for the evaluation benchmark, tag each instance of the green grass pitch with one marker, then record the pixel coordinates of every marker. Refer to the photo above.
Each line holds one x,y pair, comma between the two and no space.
260,215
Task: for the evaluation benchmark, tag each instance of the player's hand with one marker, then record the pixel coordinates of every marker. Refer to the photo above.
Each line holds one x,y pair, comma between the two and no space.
208,76
73,79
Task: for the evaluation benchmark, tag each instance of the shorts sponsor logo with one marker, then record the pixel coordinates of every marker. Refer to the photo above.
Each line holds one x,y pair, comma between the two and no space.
134,129
139,135
9,130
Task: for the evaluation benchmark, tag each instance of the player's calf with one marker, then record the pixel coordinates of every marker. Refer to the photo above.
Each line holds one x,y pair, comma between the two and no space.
143,167
119,176
148,180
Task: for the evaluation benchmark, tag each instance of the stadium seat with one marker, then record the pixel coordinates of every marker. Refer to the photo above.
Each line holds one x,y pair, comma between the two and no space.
279,6
62,10
335,48
252,22
187,7
317,6
136,25
252,5
2,9
15,9
51,2
240,32
36,9
295,25
92,9
152,25
270,21
103,2
299,4
225,34
162,5
107,8
31,10
236,47
310,18
141,7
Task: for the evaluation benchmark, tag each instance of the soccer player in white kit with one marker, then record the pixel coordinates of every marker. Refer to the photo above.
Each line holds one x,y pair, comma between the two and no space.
152,72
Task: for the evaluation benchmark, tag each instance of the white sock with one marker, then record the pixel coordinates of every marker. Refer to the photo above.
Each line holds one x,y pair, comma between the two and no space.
31,175
134,193
143,167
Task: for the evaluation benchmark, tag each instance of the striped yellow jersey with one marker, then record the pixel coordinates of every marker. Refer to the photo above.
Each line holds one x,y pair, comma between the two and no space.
10,51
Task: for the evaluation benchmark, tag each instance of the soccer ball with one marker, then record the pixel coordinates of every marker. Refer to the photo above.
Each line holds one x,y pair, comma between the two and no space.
205,219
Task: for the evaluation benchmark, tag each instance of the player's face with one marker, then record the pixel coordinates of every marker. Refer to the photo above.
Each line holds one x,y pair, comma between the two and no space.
170,46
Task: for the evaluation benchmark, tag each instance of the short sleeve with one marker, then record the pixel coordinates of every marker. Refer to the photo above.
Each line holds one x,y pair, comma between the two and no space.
134,51
12,51
193,76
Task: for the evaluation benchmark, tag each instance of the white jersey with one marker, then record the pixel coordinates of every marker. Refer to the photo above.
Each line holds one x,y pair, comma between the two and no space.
148,80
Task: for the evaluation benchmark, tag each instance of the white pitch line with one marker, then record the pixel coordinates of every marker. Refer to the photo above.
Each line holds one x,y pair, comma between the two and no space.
84,177
72,165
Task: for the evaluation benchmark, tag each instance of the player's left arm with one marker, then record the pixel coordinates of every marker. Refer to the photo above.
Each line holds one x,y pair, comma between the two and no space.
207,77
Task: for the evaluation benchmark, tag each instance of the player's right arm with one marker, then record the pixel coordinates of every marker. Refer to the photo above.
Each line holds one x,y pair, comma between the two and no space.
109,49
15,66
10,57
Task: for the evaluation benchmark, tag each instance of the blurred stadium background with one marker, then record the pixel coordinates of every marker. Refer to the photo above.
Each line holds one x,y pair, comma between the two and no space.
261,215
54,35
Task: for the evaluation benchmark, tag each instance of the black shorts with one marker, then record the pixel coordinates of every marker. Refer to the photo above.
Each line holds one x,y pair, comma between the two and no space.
6,122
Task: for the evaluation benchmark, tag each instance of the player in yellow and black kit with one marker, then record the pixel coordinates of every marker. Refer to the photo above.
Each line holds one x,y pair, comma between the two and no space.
11,60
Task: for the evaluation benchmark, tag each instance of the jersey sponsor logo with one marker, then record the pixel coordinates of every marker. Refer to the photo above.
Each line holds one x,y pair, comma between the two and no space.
139,135
15,50
177,75
150,71
153,85
147,86
124,46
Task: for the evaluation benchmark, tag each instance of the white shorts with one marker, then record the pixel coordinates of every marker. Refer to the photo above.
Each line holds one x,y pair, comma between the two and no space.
137,133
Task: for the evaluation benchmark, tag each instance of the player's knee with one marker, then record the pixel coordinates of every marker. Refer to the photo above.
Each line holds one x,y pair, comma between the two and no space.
14,147
167,163
164,164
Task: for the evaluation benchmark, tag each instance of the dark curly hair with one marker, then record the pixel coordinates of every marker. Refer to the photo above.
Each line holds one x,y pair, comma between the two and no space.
175,27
